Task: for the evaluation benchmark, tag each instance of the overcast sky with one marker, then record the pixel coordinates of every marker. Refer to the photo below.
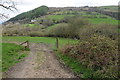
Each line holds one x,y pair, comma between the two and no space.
26,5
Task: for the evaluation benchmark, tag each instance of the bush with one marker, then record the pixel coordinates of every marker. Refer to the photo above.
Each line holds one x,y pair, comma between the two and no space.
70,29
47,22
21,30
99,53
75,24
60,30
107,30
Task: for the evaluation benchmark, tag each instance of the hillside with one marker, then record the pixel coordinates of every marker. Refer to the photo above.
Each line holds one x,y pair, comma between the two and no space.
112,11
110,8
44,10
40,11
55,18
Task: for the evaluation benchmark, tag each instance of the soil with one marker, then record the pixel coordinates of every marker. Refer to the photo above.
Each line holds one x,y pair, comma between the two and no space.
40,63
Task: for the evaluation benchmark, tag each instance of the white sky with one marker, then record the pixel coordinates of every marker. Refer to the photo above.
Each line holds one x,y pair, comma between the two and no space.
26,5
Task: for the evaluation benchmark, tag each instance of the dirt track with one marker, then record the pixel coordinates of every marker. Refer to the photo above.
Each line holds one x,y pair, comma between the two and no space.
40,63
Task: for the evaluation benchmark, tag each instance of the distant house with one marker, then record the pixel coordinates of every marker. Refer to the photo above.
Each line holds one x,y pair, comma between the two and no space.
33,20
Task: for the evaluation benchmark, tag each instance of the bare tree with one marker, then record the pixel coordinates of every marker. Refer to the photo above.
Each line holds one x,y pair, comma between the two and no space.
8,5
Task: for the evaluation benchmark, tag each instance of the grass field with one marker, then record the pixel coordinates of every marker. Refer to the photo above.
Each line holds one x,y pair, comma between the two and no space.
100,20
97,18
31,25
47,40
58,17
11,54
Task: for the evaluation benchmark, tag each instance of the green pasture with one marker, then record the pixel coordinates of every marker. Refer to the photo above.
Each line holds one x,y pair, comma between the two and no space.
57,17
102,21
46,40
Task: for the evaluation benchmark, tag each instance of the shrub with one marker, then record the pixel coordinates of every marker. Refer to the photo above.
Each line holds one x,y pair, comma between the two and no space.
60,30
75,24
107,30
47,22
99,53
70,29
21,30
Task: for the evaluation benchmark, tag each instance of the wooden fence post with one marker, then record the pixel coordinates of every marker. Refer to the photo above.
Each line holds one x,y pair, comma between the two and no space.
57,43
27,44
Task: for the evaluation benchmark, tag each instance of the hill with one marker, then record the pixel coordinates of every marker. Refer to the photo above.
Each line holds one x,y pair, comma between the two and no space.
44,10
40,11
55,18
110,8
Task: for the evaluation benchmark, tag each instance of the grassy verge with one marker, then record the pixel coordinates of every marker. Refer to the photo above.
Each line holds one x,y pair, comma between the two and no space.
11,54
77,68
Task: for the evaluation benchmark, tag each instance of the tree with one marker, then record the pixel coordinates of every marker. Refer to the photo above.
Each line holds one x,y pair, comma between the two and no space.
8,5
